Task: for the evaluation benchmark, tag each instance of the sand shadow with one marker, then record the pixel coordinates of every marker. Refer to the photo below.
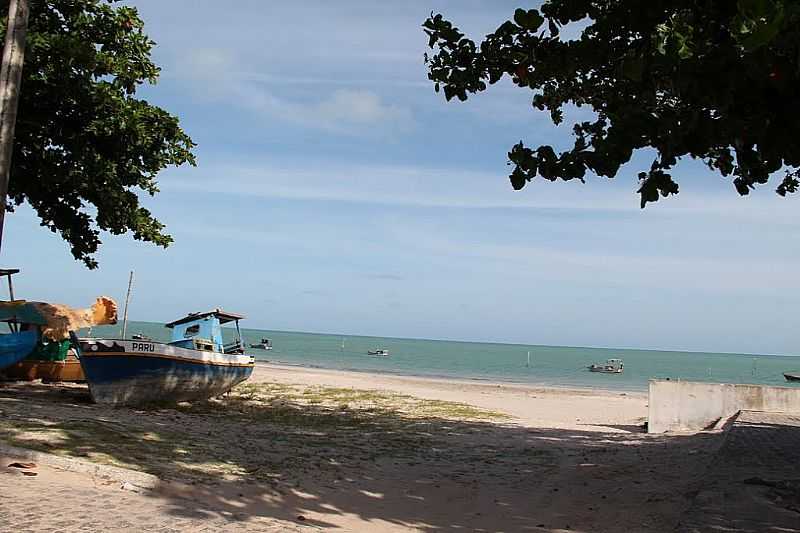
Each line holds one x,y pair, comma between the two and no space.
332,465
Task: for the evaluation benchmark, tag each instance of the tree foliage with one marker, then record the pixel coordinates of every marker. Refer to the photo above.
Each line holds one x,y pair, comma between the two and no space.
714,81
84,144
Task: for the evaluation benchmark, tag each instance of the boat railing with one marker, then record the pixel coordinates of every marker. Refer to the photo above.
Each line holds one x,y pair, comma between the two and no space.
234,347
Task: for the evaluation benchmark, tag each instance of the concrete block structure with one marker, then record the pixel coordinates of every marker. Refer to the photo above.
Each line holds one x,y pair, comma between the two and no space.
692,406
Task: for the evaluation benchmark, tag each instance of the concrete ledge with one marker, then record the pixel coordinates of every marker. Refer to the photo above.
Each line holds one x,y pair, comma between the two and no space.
138,480
694,406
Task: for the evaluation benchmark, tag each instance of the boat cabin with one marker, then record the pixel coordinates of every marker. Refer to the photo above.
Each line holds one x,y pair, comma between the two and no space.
11,321
24,323
203,331
612,366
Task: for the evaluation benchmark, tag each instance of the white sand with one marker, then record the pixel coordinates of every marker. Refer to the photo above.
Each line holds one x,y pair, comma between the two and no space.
568,460
530,406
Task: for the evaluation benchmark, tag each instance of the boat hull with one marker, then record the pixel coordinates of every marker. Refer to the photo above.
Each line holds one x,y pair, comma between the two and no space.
605,370
791,377
68,370
14,347
123,372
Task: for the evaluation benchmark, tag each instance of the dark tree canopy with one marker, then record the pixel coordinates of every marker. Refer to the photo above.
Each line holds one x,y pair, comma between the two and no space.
84,144
715,81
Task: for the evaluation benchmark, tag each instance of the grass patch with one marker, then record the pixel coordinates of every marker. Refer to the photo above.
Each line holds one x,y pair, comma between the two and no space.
257,431
318,407
456,411
332,399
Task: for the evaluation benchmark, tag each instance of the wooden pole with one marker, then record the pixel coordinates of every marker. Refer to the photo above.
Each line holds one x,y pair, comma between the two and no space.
10,77
12,325
127,299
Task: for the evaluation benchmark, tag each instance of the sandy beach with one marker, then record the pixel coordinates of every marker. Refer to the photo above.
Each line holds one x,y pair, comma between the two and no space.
310,448
529,406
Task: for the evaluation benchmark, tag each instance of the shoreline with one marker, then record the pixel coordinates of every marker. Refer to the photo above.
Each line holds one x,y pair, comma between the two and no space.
440,378
526,405
451,377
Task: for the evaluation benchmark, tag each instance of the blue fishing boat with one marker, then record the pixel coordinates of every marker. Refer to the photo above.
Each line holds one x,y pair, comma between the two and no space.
195,365
21,321
16,346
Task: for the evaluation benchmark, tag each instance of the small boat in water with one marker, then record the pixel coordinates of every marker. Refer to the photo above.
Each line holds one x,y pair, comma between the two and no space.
612,366
379,353
140,337
195,365
792,376
265,344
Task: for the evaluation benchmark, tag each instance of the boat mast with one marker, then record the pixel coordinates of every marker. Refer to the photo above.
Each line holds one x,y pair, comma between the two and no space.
127,299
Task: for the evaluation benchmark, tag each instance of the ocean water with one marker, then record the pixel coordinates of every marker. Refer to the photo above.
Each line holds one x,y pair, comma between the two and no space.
560,366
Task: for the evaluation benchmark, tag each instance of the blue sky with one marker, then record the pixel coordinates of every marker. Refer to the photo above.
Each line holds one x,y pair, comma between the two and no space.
336,192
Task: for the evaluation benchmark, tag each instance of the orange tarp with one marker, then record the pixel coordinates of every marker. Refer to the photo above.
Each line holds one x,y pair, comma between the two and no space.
61,319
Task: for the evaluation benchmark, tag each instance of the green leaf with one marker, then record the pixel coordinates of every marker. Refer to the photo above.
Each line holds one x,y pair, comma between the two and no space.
85,147
714,81
530,20
553,27
633,68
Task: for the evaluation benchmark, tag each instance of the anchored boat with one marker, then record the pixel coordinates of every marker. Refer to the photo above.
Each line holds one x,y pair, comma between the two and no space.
265,344
195,365
612,366
379,353
792,376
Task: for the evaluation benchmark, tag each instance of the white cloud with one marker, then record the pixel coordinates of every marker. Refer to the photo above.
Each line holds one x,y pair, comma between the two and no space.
358,106
463,188
689,270
215,75
384,184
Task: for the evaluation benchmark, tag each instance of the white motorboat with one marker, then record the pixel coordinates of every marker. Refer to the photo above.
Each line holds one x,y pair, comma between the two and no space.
612,366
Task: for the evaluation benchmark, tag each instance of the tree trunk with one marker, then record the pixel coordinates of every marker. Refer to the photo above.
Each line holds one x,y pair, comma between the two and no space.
10,76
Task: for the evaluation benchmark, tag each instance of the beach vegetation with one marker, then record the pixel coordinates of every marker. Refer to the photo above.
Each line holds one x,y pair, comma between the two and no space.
250,433
86,147
711,81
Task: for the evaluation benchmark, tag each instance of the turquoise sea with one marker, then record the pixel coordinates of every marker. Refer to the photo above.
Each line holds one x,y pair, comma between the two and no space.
561,366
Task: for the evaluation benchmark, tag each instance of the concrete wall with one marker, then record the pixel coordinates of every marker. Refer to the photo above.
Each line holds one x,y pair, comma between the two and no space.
691,405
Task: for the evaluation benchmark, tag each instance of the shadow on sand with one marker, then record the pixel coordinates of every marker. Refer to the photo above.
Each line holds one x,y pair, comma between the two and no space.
753,483
370,468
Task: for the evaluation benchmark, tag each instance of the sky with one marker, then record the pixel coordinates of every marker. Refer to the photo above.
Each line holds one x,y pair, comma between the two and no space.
337,192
